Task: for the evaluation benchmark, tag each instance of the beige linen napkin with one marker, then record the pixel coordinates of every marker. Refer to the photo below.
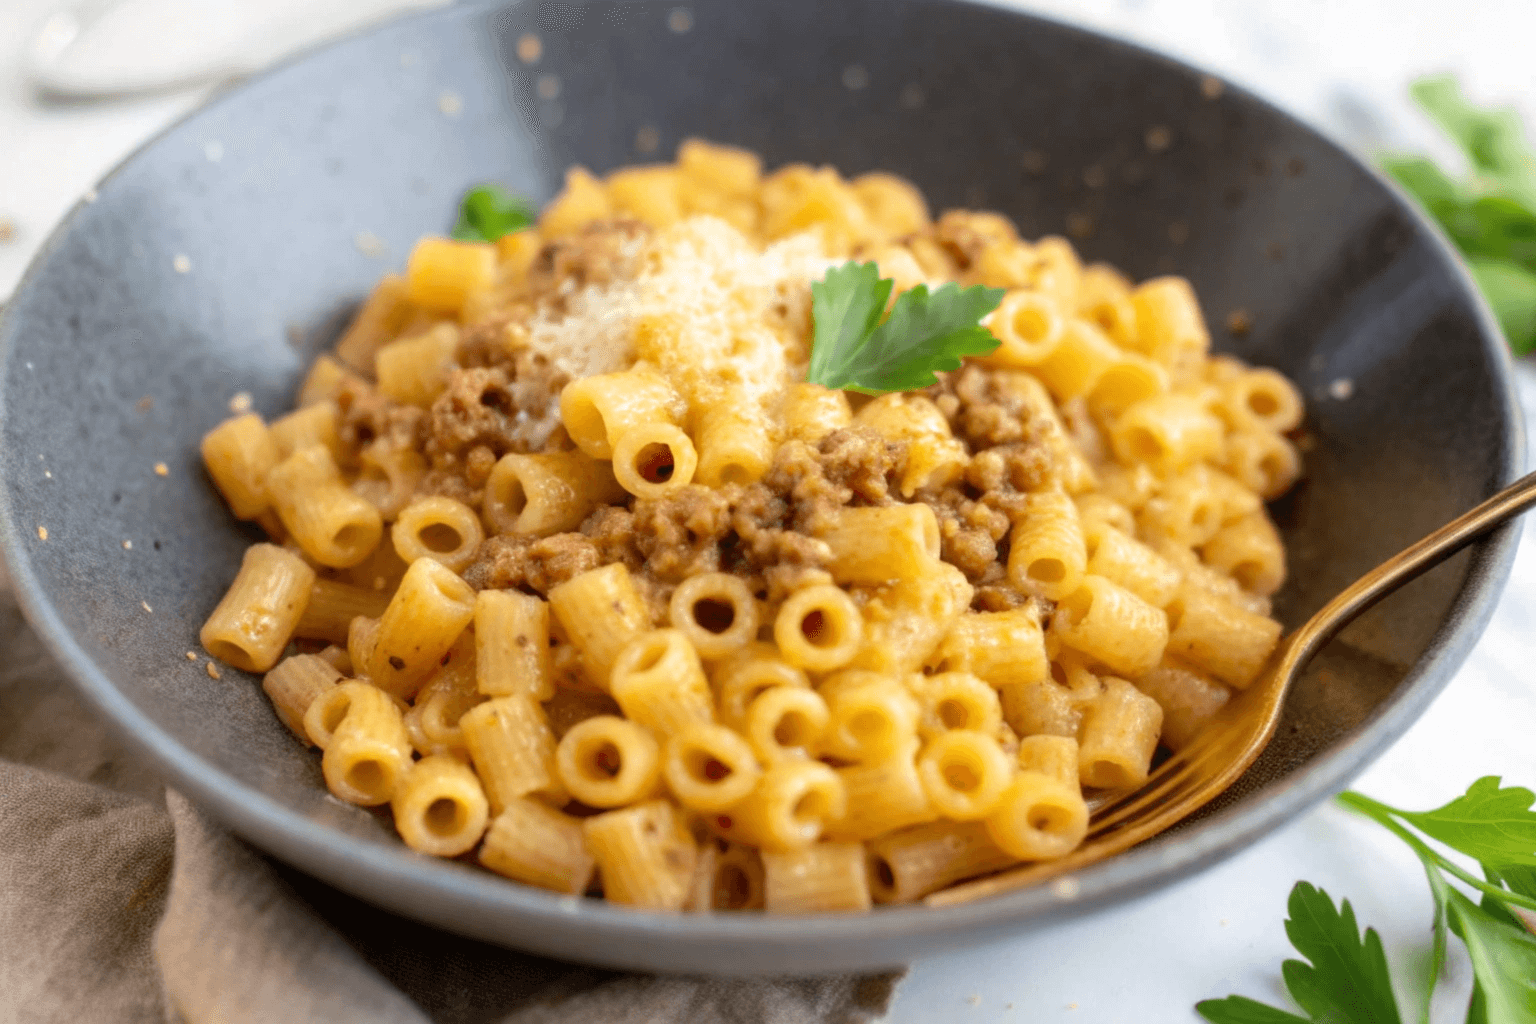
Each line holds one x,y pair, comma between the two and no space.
121,903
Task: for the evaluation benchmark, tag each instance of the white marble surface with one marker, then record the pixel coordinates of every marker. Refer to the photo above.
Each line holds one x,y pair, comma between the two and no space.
1341,64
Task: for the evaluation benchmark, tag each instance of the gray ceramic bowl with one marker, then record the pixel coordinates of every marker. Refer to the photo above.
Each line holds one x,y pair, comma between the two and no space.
192,276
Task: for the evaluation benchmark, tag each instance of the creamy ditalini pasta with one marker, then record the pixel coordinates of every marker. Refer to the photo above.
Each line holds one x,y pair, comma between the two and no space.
571,569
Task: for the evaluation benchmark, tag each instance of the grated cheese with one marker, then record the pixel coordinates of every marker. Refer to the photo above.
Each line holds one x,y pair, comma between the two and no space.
702,310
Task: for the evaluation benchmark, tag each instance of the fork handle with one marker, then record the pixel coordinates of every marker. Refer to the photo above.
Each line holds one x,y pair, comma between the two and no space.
1412,561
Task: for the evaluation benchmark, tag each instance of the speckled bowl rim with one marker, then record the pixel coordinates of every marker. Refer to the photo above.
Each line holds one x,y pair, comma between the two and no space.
457,899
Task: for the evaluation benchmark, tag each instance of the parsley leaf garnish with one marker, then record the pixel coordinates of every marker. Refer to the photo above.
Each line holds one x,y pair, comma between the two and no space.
926,331
489,211
1347,981
1491,215
1491,824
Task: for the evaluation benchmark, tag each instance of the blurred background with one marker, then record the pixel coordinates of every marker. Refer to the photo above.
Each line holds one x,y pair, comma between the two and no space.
83,82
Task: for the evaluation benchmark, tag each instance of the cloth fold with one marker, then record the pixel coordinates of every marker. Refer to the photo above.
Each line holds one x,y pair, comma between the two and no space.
122,907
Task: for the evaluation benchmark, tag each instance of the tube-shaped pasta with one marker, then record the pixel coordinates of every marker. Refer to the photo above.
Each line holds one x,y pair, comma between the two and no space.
607,761
810,412
895,206
547,494
645,853
1188,700
1028,326
653,459
964,773
1078,361
1047,555
1043,707
1097,511
362,638
311,424
955,700
881,544
334,526
600,409
422,621
820,878
881,796
537,845
1262,461
1218,637
786,723
383,314
332,606
872,718
659,682
709,767
438,528
433,720
441,273
934,456
239,453
388,477
906,865
292,686
818,628
368,751
258,614
789,808
1112,625
1039,818
323,381
1260,398
727,169
512,644
414,371
716,612
1249,550
1000,648
1056,756
649,194
748,673
1169,433
1169,325
1128,562
1118,737
734,447
439,807
600,612
582,201
1104,300
513,750
1131,378
905,621
731,880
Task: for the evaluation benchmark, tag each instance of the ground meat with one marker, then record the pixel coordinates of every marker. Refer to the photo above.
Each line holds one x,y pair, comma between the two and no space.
964,234
367,416
599,254
449,482
679,534
611,529
528,563
849,466
484,343
477,408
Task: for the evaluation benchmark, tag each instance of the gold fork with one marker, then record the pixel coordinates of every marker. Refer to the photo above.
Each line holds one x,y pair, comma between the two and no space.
1233,740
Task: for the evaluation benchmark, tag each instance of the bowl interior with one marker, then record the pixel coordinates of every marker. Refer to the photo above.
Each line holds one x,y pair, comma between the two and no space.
223,256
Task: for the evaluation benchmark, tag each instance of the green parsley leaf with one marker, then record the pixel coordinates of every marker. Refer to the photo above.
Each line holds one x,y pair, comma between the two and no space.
1347,980
1503,960
489,211
1493,140
1242,1010
1511,292
1492,824
924,333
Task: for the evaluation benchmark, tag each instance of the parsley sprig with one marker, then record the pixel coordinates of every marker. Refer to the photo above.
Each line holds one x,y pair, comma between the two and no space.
489,211
1347,981
856,350
1491,213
